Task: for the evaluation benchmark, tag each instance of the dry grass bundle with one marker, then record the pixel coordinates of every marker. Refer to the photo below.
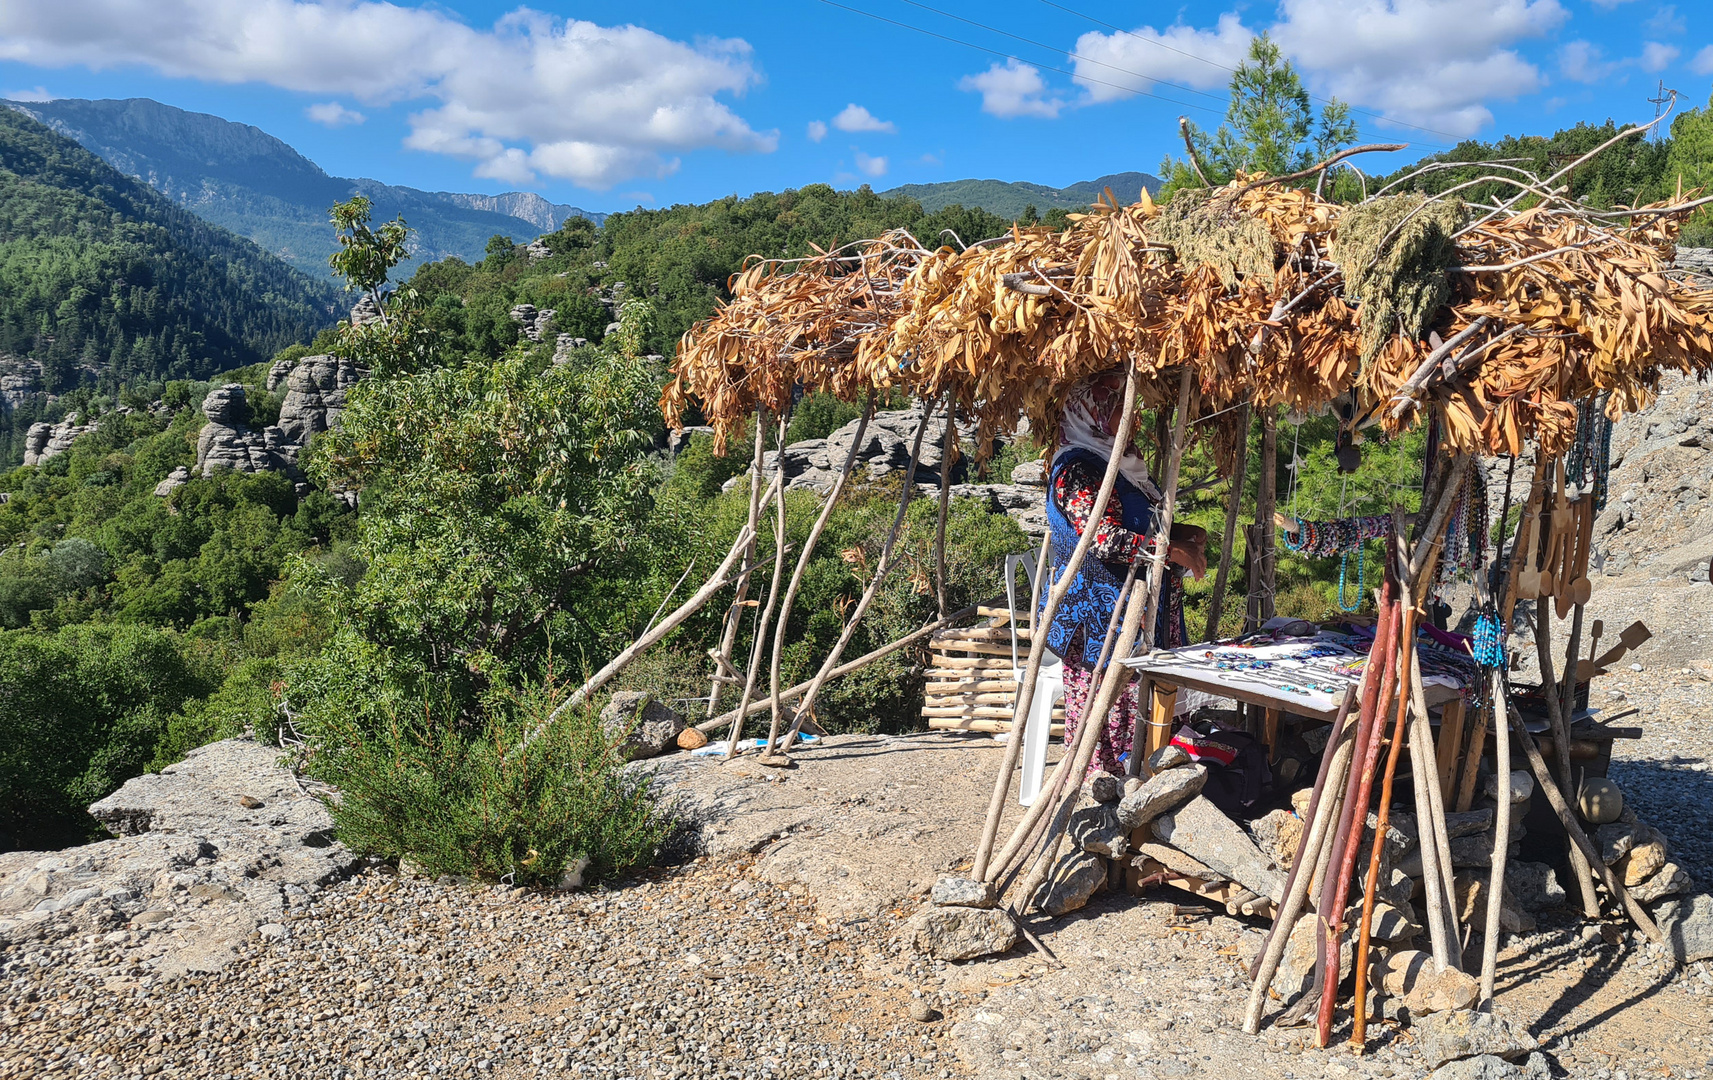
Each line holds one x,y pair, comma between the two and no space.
1269,294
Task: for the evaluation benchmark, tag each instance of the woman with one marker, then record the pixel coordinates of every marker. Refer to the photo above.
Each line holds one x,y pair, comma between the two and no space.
1087,433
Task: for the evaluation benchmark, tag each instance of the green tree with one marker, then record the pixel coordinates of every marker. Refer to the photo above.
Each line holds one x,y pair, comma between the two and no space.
1689,163
366,256
1270,126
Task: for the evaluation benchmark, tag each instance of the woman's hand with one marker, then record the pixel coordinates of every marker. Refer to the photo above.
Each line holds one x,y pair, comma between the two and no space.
1189,549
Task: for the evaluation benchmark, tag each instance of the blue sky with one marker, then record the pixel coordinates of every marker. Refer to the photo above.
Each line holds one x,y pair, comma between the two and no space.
608,106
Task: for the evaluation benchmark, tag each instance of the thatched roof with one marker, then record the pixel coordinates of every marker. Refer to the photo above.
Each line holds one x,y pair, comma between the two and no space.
1500,320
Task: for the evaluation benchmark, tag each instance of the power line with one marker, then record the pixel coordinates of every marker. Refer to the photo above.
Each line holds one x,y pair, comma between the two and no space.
1225,67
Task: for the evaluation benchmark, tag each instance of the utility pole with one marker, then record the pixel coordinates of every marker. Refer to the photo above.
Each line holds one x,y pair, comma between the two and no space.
1659,102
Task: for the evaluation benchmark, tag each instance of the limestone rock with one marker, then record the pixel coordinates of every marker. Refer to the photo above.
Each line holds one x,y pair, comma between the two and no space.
639,726
1687,923
1647,856
1469,822
315,396
1411,977
1199,829
1451,1036
1492,1067
1296,964
963,892
1534,885
1278,834
1096,830
1522,786
1030,474
1392,924
1161,793
1397,889
174,480
1600,801
1669,880
1300,800
183,835
961,933
1614,840
1471,890
1398,843
45,441
1102,787
1078,876
1466,852
1167,757
1176,861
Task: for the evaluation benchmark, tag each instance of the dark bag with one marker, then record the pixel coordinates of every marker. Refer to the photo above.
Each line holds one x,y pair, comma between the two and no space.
1239,779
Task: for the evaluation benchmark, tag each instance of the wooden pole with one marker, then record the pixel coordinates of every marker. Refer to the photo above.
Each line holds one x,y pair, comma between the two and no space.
1561,742
1501,850
1567,817
1265,503
1168,511
1334,760
1233,507
803,565
758,647
1359,1032
1359,790
859,663
1065,576
734,615
882,567
718,581
1430,827
948,447
1143,605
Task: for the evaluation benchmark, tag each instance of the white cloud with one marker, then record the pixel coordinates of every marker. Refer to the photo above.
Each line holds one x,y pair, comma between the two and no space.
1666,22
817,130
870,166
1658,57
1609,4
332,114
1011,90
38,93
1703,62
1585,62
856,118
1120,65
534,94
1429,62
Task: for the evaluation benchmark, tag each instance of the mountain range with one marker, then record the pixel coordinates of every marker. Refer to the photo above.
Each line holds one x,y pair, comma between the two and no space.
252,183
1011,198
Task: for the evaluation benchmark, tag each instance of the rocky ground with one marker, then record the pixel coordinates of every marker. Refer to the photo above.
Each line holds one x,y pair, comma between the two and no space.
776,954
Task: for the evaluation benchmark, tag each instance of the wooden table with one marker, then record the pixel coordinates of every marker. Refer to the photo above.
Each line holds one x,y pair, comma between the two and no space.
1166,674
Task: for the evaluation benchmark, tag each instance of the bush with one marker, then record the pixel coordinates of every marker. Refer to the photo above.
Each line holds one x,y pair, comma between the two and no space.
417,781
82,711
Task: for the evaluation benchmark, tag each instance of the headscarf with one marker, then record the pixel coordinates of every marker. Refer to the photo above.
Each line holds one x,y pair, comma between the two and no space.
1090,422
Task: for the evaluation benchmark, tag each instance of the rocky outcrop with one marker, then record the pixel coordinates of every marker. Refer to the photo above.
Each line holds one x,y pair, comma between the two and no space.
314,398
535,322
885,452
20,385
208,853
45,441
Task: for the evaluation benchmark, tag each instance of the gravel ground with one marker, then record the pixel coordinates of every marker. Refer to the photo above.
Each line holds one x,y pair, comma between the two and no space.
698,971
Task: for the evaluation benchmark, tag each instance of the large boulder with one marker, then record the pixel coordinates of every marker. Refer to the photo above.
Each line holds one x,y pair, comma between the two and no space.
1456,1034
961,933
638,726
1078,876
1687,923
315,396
1411,977
1202,831
1162,792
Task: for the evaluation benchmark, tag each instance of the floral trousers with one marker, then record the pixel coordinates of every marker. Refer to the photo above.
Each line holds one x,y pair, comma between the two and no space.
1113,742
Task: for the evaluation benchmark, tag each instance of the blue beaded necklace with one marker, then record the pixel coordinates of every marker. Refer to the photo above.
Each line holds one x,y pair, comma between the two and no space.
1361,578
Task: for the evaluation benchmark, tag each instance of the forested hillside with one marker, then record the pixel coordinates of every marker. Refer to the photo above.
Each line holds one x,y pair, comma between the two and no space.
243,179
102,279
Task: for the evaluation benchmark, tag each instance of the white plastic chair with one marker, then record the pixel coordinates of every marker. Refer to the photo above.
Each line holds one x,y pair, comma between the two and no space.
1049,685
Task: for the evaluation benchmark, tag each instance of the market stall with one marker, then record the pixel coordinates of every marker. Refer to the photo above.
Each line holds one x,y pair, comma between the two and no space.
1516,330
